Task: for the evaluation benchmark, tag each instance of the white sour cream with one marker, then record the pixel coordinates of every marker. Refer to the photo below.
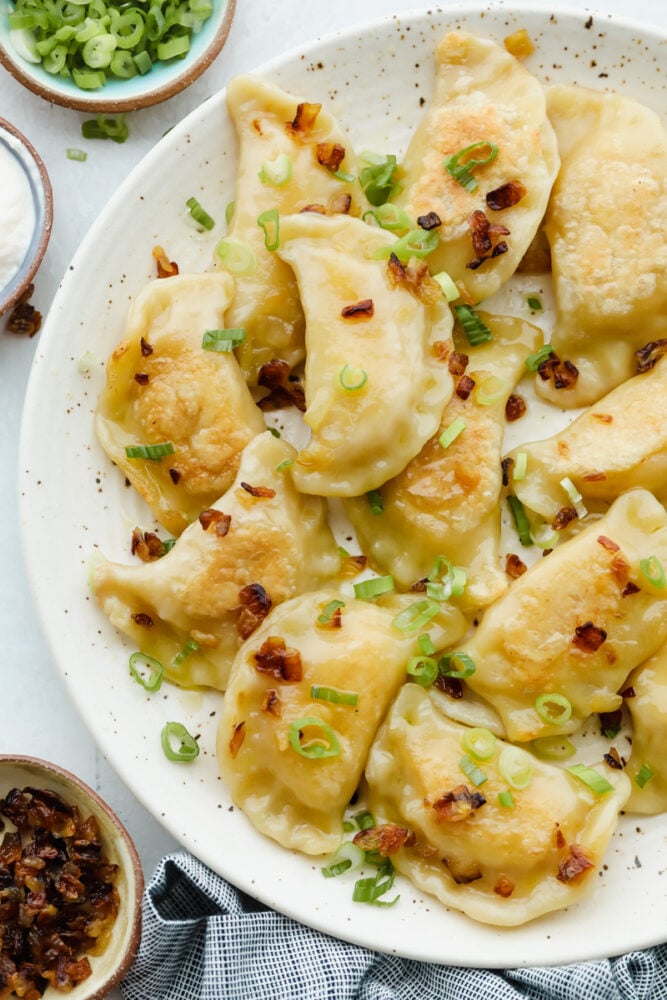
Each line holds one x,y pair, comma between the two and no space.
17,213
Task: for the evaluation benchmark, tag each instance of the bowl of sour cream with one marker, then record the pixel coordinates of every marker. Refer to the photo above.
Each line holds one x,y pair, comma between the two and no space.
26,213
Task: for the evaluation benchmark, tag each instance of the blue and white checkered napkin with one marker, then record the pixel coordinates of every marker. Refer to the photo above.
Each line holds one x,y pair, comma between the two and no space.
203,940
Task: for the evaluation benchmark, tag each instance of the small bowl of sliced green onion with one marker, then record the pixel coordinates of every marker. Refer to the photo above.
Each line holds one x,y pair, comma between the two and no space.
111,55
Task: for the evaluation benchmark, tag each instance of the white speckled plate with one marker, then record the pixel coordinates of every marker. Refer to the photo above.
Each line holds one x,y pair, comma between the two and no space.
74,502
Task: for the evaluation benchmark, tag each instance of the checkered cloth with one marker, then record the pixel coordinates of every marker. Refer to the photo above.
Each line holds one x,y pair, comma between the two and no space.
204,940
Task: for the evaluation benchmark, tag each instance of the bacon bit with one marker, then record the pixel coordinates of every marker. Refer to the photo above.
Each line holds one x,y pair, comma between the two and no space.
416,277
165,268
142,619
457,363
340,204
514,567
304,119
141,378
515,407
457,805
255,605
385,838
330,155
648,355
559,837
24,318
175,476
259,491
574,865
237,739
563,374
146,349
630,588
605,418
271,703
563,518
362,308
462,870
465,387
429,221
147,545
275,376
608,544
506,466
216,517
614,760
503,886
505,196
588,637
315,207
281,661
594,477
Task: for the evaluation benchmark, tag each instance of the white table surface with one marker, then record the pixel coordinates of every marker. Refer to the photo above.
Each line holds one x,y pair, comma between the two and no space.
36,716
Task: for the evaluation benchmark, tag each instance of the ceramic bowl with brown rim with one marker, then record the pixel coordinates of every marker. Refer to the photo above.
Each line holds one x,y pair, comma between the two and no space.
164,78
51,809
26,213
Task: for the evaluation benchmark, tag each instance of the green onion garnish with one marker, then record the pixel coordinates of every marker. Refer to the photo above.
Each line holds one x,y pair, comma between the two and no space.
590,777
329,611
391,217
426,644
451,433
415,616
374,587
276,172
153,452
545,536
348,858
237,257
352,378
375,502
574,496
76,154
520,466
334,695
146,670
463,172
348,826
476,331
416,243
521,522
534,302
449,289
177,742
554,709
369,890
644,775
285,464
480,743
223,340
516,767
322,741
105,127
378,178
199,214
229,211
188,649
422,669
274,432
470,769
364,819
553,748
653,571
466,661
506,799
269,222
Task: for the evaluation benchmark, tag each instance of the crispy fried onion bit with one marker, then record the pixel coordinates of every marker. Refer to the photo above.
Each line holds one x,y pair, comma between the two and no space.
165,268
147,545
458,804
385,838
254,606
338,204
514,567
574,865
261,492
281,661
563,374
415,277
360,309
220,521
304,119
503,886
24,318
648,355
485,242
462,870
330,155
58,899
284,388
505,196
271,703
588,637
236,739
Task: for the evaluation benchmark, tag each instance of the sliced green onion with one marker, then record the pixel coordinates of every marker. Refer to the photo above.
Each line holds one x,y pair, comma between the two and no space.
375,502
426,644
273,431
89,79
378,178
471,771
143,62
416,243
521,522
475,329
451,433
223,340
654,572
348,858
177,742
506,799
97,51
369,890
342,175
463,172
76,154
545,536
480,743
237,257
644,775
229,211
105,127
348,826
520,466
422,669
329,611
146,670
285,464
534,302
467,662
173,48
415,616
391,217
533,361
316,747
489,390
364,819
590,777
516,767
574,496
352,378
276,172
374,587
449,289
199,214
553,748
168,544
188,649
554,709
334,695
153,452
269,222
